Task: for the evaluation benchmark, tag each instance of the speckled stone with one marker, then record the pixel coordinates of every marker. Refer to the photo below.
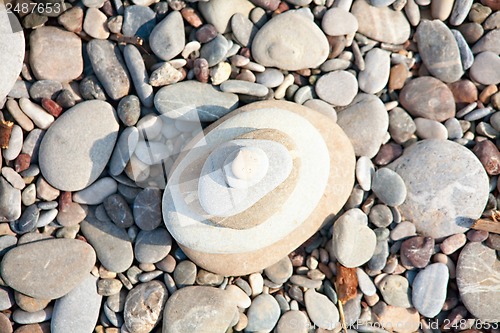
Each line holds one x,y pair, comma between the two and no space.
144,306
429,289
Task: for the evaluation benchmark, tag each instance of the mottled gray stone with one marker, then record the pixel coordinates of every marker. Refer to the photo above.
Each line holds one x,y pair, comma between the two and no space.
263,314
152,246
485,69
124,149
147,209
167,38
138,21
429,289
389,187
139,74
376,73
10,201
321,310
465,52
396,291
215,51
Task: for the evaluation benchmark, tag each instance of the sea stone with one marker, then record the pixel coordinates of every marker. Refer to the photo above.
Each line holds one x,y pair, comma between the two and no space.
186,310
12,47
290,41
489,42
447,187
71,155
376,73
233,246
109,67
439,50
485,68
47,269
338,22
167,38
78,310
381,23
365,121
429,98
138,21
10,201
144,306
478,273
219,12
337,88
417,251
263,314
321,310
55,54
194,101
396,291
389,187
429,289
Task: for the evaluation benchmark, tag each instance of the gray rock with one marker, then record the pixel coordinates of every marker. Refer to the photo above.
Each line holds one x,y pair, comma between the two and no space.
186,310
152,246
401,125
144,306
96,193
23,317
118,211
353,244
381,253
293,322
15,144
280,272
215,51
109,67
389,187
138,21
71,155
460,10
439,50
338,22
321,310
465,52
47,269
185,274
78,310
6,298
12,47
45,89
139,75
447,187
270,78
365,121
338,88
147,209
290,41
129,110
10,201
110,242
244,87
194,101
7,242
62,61
489,42
28,220
365,283
124,149
429,289
243,29
381,3
263,314
381,215
396,291
91,88
381,23
219,12
485,69
478,267
376,73
167,38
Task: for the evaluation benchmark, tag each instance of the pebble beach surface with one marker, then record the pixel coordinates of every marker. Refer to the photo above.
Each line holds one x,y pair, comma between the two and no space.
100,101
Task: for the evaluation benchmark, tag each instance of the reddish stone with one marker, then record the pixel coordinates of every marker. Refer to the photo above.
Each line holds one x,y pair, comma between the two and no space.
206,33
337,45
201,71
191,17
388,153
417,251
282,7
487,92
245,51
65,200
52,107
489,156
22,162
464,91
398,76
493,4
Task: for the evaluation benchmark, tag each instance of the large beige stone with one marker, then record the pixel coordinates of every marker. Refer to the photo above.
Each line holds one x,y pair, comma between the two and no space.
316,189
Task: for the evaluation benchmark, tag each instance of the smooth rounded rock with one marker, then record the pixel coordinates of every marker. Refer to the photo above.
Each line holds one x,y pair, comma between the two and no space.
290,41
389,187
281,271
72,156
293,322
138,21
51,266
118,211
376,73
147,209
338,22
396,291
144,307
447,187
429,289
10,201
485,68
263,314
338,88
321,310
219,12
167,38
152,246
96,193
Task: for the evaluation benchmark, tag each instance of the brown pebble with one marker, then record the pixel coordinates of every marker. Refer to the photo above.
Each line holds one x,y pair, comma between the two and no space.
477,235
191,17
65,201
489,156
493,4
5,324
398,76
417,251
22,162
453,243
337,45
493,241
464,91
282,7
30,304
487,92
471,32
201,70
495,100
478,13
34,328
298,257
52,107
388,153
206,33
245,51
5,131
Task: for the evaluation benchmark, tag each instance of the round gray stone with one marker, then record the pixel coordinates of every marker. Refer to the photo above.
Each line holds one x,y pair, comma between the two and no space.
429,289
147,209
263,314
280,272
167,38
138,21
485,68
376,73
338,88
321,310
389,187
152,246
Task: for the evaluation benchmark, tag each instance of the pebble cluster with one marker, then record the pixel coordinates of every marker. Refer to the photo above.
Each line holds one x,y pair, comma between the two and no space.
99,97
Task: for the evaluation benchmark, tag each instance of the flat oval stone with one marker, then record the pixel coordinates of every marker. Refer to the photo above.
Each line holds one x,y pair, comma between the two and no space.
429,289
109,67
429,98
72,156
147,209
338,88
376,73
152,246
389,187
290,41
78,310
381,23
447,187
124,149
167,38
96,193
439,50
396,291
263,314
489,42
47,269
144,306
365,122
338,22
119,211
293,322
219,12
12,47
485,68
186,310
353,244
321,310
194,101
280,272
110,242
477,270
